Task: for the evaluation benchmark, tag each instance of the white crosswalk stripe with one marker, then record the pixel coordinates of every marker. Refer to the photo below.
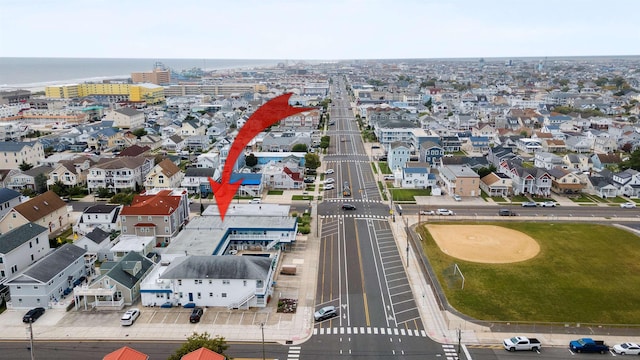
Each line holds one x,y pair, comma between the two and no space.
355,216
294,353
450,352
370,331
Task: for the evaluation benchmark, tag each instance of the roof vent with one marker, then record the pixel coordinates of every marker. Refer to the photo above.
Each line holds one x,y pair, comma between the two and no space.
35,207
46,203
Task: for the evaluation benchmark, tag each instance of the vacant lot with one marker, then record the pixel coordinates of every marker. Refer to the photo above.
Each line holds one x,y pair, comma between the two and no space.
583,273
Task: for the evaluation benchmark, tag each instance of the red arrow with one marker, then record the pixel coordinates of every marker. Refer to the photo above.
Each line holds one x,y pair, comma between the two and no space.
268,114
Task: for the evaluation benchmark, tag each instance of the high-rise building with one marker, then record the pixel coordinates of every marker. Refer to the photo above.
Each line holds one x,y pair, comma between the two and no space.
159,76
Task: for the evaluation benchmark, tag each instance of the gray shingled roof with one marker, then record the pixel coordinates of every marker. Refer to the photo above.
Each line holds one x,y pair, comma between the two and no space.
219,267
100,209
52,264
117,269
7,194
18,236
97,235
9,146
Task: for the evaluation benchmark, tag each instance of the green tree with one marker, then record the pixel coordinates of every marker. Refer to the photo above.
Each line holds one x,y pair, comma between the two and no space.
311,161
59,188
197,341
41,183
24,166
123,198
103,192
325,141
299,148
251,160
139,132
484,171
633,162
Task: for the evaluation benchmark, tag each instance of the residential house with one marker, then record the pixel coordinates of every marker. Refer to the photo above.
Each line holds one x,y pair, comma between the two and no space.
165,175
628,182
208,160
46,210
430,152
284,141
127,118
191,127
103,216
196,180
97,243
202,354
282,176
160,213
496,184
198,143
230,281
44,283
398,155
601,186
526,180
134,151
119,173
564,181
529,145
29,179
104,139
6,175
460,180
173,143
251,184
478,144
577,162
152,141
127,353
546,160
451,144
8,199
579,144
117,285
417,176
21,247
13,154
605,145
498,154
554,145
602,161
70,172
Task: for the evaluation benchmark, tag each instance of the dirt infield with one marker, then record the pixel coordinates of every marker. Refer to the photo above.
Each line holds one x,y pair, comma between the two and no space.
484,243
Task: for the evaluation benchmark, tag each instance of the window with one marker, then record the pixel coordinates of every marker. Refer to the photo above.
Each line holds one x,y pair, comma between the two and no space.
166,229
35,287
199,296
30,244
226,282
179,282
166,219
224,295
150,218
210,294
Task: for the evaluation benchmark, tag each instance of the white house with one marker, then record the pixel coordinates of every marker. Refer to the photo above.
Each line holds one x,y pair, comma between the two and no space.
398,155
20,248
104,216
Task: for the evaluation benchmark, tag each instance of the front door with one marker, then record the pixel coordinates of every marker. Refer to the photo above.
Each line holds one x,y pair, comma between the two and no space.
190,297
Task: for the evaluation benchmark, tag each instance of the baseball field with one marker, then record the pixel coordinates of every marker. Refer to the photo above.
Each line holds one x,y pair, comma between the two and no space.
549,272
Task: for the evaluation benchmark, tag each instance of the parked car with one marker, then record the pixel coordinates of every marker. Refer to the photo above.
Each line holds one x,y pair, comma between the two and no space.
329,187
588,345
348,207
329,171
627,349
457,197
309,180
330,181
129,317
548,204
519,343
628,205
196,314
444,212
427,212
506,212
33,315
529,204
326,312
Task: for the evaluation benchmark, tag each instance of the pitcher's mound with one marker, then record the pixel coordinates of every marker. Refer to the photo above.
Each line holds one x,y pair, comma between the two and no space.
484,243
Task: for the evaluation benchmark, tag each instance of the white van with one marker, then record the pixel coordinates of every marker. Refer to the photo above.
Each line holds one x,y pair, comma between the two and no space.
255,201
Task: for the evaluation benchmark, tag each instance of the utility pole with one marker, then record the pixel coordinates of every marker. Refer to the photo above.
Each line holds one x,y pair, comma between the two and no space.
31,338
406,232
262,330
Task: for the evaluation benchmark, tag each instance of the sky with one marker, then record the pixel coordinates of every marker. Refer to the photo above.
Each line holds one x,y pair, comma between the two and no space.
318,30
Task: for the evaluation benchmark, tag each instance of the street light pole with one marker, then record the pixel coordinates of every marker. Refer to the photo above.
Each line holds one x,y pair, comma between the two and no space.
31,338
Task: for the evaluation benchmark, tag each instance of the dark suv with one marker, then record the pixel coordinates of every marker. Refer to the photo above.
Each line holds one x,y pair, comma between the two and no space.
196,314
348,207
33,315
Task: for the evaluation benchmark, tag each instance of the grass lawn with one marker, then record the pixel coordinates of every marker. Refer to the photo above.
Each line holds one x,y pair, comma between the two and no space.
583,273
384,167
374,168
302,197
408,194
275,192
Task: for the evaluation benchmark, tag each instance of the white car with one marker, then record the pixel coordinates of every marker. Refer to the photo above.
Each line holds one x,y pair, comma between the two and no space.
457,197
548,204
444,212
628,205
329,181
627,349
329,171
329,187
129,317
427,212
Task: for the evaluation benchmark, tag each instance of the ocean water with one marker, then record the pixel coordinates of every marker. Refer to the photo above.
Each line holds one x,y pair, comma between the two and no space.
34,73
